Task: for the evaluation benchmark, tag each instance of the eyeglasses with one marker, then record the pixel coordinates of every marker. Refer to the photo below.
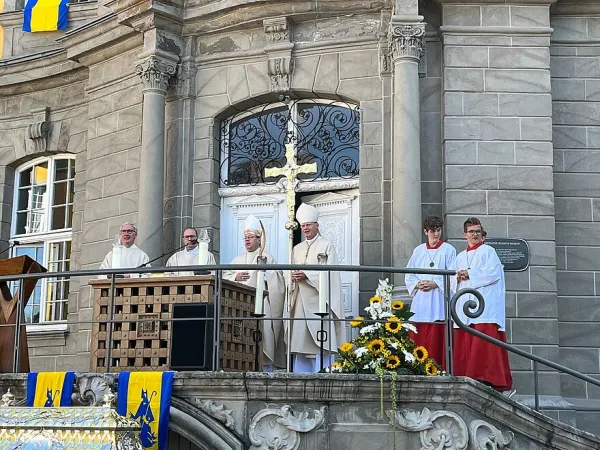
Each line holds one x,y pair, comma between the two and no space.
127,231
473,232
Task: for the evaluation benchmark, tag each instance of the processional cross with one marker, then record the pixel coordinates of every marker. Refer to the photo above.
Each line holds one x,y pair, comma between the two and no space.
290,171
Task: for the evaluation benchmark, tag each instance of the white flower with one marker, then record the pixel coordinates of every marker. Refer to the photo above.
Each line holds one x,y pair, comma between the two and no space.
409,327
370,328
336,369
369,365
393,344
409,357
360,351
385,315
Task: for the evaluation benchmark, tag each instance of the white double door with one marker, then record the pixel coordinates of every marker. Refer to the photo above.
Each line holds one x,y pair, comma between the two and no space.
338,222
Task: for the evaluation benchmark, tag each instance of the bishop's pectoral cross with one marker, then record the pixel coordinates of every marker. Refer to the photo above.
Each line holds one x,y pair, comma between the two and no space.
290,171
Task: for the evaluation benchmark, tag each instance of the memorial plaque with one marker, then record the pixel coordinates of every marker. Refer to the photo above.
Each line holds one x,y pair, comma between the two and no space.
513,253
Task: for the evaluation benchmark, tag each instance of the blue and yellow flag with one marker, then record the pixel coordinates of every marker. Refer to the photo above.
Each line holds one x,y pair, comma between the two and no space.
50,389
143,395
45,15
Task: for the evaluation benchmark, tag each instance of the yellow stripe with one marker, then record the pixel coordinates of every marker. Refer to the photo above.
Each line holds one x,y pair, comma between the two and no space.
44,15
152,383
1,40
1,6
48,383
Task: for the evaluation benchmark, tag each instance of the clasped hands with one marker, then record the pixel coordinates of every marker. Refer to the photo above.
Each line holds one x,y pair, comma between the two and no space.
298,275
427,285
462,275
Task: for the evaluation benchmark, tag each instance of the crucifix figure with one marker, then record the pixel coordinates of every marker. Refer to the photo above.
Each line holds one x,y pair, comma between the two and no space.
290,171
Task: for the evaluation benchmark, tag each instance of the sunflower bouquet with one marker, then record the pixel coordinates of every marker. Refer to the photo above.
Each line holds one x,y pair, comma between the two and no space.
383,344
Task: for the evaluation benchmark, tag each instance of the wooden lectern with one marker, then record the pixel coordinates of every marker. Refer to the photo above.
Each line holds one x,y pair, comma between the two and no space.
8,312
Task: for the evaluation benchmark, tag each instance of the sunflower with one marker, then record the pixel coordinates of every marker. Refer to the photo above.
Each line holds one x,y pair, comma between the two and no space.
420,353
346,347
376,346
431,369
392,362
357,321
336,366
398,305
393,325
375,299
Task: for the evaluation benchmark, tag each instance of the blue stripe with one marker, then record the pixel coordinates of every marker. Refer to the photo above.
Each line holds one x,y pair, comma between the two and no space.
31,383
165,406
27,15
63,13
122,394
67,390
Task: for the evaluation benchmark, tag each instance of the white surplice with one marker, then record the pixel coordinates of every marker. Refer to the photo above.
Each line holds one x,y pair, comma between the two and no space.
187,258
486,274
428,307
273,348
131,257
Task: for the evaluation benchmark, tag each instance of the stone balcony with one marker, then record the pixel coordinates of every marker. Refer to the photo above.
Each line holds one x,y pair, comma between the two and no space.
321,411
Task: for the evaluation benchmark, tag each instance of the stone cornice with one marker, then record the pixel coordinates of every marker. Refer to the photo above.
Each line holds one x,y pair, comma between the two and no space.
496,2
501,31
143,15
99,40
216,16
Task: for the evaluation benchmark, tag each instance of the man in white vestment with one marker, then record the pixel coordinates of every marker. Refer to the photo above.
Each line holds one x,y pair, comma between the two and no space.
273,348
427,291
305,297
189,256
130,255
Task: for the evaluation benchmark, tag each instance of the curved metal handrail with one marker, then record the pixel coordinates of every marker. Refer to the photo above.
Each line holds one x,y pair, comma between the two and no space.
474,309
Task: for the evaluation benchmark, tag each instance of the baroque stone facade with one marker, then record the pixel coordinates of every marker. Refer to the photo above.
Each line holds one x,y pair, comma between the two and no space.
479,108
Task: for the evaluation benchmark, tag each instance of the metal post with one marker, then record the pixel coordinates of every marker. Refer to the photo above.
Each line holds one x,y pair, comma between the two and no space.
290,291
536,387
111,316
17,348
217,324
329,319
448,326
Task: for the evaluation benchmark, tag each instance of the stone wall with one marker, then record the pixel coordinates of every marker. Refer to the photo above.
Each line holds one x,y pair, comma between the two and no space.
575,56
61,102
497,139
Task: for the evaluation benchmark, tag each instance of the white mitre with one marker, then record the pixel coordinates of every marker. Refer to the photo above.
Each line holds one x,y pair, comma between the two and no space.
252,226
307,214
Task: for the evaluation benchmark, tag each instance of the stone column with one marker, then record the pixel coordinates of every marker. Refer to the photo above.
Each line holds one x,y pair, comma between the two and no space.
155,73
405,39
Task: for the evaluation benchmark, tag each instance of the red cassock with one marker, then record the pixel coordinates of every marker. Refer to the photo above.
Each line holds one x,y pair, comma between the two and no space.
432,336
481,360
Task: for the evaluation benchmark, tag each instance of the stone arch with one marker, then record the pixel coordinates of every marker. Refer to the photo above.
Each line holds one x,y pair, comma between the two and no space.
200,429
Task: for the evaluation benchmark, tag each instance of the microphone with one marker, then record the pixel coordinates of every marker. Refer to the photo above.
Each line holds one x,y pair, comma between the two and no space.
15,243
165,254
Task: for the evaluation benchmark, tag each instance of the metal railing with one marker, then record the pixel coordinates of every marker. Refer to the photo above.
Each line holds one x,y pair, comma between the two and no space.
471,309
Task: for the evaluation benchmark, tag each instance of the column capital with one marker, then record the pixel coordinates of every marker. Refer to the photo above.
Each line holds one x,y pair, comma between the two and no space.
156,72
406,40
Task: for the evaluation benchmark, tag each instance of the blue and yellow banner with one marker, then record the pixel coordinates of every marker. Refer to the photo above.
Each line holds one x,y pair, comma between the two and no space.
146,398
45,15
50,389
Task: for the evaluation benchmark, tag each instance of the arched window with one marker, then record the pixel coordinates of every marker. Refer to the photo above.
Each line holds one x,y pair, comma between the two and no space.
327,133
41,227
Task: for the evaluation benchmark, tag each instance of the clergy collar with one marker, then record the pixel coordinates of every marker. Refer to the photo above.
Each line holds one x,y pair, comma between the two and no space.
194,250
475,247
436,246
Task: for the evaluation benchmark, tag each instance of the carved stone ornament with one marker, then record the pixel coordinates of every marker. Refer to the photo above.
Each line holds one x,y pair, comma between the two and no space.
278,429
406,40
156,73
185,81
218,412
277,30
280,71
8,399
91,389
437,430
485,436
313,186
39,130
